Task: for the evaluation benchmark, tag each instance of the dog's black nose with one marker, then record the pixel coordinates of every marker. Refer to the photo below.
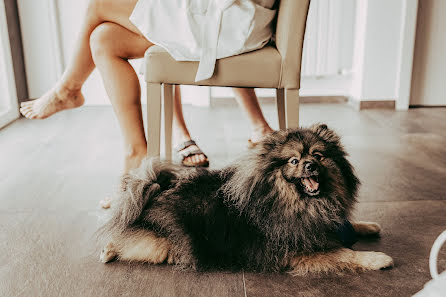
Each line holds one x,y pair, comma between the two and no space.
310,166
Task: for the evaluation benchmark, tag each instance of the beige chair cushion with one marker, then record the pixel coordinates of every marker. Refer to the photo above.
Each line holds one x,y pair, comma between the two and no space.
290,31
260,69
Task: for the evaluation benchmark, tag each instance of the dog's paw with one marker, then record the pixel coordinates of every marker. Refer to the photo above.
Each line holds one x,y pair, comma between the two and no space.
374,260
367,228
108,253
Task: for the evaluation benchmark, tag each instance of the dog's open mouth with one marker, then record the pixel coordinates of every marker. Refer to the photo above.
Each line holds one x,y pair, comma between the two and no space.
311,184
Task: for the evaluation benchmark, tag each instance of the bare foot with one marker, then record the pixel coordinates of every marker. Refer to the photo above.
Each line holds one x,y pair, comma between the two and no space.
53,101
194,160
106,202
132,161
191,154
258,134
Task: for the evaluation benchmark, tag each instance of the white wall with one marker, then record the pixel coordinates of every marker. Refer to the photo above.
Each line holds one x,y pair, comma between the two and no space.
382,66
376,59
430,48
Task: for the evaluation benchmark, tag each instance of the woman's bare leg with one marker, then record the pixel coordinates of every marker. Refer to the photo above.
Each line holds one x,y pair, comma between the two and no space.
247,99
111,46
182,134
66,93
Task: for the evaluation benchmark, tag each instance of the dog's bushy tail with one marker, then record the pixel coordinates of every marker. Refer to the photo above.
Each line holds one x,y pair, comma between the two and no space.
137,189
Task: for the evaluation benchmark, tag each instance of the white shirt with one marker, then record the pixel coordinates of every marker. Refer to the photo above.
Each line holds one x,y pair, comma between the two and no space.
205,30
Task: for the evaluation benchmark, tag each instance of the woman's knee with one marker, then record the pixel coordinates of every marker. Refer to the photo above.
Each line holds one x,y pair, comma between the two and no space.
101,40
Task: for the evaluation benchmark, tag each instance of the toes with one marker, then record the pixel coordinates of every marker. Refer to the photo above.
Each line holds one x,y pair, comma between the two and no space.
187,161
25,110
105,203
33,115
27,103
26,107
27,113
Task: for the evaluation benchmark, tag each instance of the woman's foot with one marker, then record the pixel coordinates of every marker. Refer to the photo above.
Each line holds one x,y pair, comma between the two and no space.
192,154
106,202
132,160
55,100
258,134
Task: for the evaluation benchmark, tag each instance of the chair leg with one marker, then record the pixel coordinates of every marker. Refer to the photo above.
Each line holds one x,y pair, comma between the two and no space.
168,90
292,108
280,104
153,119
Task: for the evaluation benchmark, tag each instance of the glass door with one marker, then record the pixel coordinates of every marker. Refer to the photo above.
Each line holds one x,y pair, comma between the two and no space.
9,110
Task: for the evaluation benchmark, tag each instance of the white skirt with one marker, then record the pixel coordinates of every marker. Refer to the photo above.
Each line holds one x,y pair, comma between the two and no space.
205,30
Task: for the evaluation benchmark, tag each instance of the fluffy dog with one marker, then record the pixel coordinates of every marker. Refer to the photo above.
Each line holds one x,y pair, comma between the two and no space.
279,208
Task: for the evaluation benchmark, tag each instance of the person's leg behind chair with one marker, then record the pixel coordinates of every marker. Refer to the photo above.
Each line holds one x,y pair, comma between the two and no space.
248,101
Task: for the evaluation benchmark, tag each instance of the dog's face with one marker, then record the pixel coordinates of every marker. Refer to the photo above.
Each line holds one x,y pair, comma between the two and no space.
296,183
306,165
313,160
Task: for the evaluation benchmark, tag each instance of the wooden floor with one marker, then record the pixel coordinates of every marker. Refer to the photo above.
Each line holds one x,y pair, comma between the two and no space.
53,172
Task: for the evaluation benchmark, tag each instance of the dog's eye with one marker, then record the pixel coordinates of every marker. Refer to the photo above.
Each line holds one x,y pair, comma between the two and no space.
318,156
294,161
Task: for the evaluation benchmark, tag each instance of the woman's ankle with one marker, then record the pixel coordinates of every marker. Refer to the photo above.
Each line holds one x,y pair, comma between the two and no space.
133,157
260,131
181,137
67,88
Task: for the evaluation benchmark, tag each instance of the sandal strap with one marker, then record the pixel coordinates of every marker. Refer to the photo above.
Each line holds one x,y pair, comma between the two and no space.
189,153
184,145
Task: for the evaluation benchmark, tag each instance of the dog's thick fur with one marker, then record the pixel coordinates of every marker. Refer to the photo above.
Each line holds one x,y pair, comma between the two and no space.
256,214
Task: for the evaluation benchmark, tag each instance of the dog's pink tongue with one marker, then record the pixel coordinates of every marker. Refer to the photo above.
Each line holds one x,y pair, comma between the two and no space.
311,183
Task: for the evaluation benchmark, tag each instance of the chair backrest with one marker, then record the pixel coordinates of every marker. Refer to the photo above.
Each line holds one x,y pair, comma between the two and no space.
290,31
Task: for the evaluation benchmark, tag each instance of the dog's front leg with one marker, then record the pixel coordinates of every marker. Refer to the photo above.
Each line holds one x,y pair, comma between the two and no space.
338,261
366,228
136,245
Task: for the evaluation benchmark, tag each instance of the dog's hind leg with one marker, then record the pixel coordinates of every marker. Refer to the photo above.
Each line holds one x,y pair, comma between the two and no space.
366,228
338,261
136,245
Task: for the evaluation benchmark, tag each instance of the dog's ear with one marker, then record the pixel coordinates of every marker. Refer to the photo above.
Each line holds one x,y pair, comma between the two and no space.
325,133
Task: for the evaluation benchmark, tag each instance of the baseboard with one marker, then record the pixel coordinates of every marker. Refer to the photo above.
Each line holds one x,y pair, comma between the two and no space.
426,106
230,101
372,104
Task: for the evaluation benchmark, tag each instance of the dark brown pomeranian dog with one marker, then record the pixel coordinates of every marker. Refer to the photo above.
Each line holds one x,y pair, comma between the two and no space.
280,208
